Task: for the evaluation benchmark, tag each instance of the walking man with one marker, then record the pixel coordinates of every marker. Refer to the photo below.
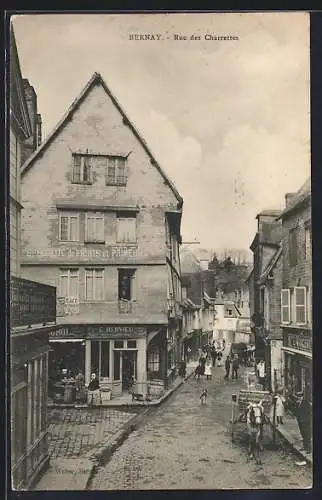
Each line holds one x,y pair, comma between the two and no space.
235,367
227,367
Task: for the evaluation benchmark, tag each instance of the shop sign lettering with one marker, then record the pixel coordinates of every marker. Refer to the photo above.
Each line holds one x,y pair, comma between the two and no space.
300,342
115,331
92,332
83,253
67,332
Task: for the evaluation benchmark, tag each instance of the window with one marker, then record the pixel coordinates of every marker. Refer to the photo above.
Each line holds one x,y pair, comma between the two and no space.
118,344
126,229
69,227
94,228
293,247
69,283
126,289
154,361
116,171
131,344
100,358
285,306
81,169
307,242
94,284
300,304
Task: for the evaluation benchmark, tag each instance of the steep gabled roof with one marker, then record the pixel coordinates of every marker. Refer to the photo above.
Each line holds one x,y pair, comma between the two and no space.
18,106
272,263
303,194
97,79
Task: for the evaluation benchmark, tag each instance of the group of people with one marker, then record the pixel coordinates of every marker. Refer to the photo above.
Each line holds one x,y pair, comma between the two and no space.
209,354
232,362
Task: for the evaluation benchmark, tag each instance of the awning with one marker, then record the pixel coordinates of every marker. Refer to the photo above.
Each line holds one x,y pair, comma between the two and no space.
297,351
66,340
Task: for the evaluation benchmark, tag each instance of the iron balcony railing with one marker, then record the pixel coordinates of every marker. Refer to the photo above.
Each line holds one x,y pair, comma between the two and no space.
31,302
125,306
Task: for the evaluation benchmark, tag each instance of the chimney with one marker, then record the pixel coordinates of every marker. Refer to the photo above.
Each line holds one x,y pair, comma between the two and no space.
30,144
289,198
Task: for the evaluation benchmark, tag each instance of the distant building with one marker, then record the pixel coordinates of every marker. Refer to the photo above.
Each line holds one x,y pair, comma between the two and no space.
225,322
102,223
296,297
32,313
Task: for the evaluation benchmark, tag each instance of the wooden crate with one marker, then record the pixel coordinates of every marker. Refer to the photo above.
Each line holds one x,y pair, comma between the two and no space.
248,396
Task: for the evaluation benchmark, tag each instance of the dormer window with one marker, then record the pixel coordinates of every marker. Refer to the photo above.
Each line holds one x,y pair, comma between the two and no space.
81,169
116,171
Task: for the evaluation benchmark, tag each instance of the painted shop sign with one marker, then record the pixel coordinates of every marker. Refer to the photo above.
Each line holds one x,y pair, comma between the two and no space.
96,332
115,332
67,306
67,332
83,253
298,341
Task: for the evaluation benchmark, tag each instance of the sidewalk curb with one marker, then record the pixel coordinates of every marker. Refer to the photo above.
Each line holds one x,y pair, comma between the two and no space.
106,451
282,437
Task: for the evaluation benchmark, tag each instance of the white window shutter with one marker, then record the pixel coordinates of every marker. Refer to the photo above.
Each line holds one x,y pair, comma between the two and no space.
300,304
285,305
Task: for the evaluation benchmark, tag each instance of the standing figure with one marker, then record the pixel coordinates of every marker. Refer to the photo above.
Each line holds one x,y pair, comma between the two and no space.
235,366
279,408
94,393
208,371
303,416
227,366
261,373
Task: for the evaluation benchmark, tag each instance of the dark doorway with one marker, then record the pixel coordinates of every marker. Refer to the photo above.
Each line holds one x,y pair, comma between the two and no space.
128,369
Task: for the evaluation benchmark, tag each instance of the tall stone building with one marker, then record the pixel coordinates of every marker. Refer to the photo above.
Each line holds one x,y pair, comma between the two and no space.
102,223
32,312
296,297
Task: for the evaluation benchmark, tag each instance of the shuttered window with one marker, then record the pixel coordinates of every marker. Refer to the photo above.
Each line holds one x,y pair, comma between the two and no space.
285,306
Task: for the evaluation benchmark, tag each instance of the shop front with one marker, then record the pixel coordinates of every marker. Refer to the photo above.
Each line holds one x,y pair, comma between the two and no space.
116,354
297,352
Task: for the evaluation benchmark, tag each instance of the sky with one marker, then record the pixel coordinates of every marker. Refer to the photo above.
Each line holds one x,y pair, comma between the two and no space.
228,120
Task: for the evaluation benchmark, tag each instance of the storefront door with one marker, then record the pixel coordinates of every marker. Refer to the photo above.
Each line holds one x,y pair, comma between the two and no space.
129,360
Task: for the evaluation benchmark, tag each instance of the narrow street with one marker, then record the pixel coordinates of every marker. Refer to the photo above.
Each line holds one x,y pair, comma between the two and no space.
184,445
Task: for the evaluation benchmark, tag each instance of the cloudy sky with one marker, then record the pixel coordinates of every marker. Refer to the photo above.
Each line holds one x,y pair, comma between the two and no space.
227,120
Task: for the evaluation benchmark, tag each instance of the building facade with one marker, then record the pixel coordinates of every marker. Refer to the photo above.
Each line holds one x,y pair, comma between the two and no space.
102,224
32,313
264,247
225,322
296,295
270,286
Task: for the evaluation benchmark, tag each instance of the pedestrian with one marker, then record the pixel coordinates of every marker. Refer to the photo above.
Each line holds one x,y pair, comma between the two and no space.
208,371
188,354
219,358
213,356
235,367
198,372
227,366
303,415
261,373
94,393
183,369
279,408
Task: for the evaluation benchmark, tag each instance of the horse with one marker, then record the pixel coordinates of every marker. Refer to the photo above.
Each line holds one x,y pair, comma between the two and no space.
255,420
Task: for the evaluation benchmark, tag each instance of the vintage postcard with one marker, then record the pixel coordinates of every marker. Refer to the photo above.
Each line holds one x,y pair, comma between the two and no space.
160,251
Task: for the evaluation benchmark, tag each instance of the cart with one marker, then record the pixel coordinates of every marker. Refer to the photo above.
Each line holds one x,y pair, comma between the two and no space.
240,404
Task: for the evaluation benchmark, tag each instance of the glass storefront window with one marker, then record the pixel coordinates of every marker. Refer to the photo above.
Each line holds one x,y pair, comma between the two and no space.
100,358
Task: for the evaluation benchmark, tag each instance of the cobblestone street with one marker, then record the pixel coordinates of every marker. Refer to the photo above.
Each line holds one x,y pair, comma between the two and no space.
78,432
184,445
